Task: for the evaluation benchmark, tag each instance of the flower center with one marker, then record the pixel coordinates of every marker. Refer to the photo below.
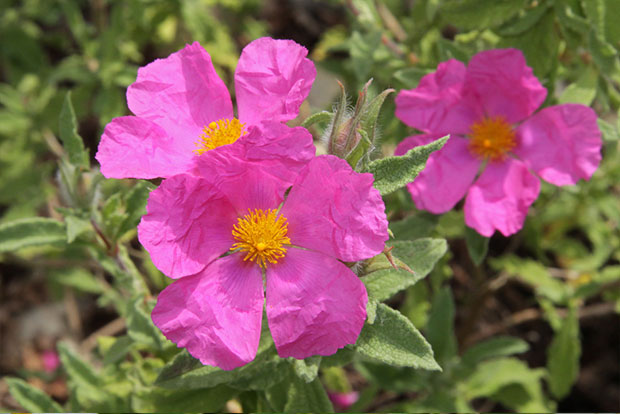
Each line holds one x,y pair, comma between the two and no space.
261,234
491,138
218,133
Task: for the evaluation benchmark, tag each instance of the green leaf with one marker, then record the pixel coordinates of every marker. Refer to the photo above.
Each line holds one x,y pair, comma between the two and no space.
32,399
563,356
86,385
495,377
322,116
496,347
539,44
392,173
307,369
567,14
394,340
420,255
371,114
608,131
140,327
307,397
185,372
524,20
69,136
78,278
413,227
118,350
440,326
477,245
583,90
135,205
30,232
201,400
534,274
80,372
479,14
76,226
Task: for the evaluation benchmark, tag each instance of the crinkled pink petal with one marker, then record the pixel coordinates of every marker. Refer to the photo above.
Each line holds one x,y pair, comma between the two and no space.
504,85
437,105
272,79
561,143
133,147
188,224
181,93
448,173
247,185
500,198
335,210
280,151
315,304
215,314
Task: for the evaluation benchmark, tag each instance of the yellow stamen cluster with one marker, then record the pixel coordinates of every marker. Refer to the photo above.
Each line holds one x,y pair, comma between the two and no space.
218,133
261,234
491,138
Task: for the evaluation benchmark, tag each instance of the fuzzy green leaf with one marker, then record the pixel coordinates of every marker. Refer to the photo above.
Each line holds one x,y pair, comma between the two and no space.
420,255
392,173
477,245
440,326
32,399
29,232
322,116
563,356
80,372
480,14
307,397
70,138
307,369
201,400
493,348
140,327
583,91
186,372
495,377
394,340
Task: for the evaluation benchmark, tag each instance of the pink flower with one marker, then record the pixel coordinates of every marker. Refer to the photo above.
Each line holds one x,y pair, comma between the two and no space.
218,233
343,400
51,361
488,108
183,110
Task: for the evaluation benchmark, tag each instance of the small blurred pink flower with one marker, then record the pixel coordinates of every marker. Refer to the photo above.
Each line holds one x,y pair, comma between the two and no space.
218,233
488,108
51,361
183,109
343,400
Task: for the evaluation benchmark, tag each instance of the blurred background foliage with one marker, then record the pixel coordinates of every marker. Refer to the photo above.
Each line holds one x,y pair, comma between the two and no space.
525,323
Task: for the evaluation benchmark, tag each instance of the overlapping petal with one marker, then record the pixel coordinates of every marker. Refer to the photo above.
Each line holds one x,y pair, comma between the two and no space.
133,147
278,150
500,198
503,84
448,173
272,79
187,225
335,210
561,143
315,304
181,93
215,314
437,105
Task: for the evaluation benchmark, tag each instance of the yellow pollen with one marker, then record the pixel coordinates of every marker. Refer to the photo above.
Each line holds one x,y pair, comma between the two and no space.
261,234
218,133
491,138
